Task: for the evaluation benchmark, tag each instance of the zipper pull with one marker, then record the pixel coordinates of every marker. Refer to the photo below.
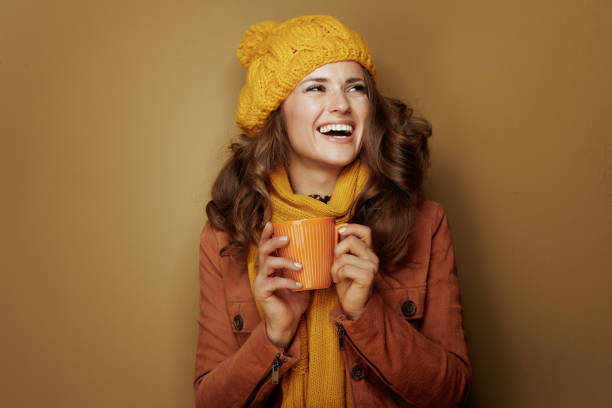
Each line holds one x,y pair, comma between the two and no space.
275,368
341,333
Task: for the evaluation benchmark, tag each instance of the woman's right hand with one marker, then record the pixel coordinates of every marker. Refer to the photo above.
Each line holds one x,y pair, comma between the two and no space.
282,306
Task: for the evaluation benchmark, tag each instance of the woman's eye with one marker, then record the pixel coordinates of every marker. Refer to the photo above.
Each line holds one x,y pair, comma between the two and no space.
358,88
314,88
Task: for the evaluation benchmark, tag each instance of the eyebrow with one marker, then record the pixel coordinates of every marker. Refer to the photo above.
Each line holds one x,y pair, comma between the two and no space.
323,79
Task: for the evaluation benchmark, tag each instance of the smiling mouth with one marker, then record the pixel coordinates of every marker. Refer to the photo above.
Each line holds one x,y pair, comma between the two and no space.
336,130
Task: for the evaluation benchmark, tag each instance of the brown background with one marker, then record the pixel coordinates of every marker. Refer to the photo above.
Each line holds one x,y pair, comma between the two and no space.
114,116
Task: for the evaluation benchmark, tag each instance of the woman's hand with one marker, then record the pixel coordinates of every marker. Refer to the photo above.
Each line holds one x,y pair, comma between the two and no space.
354,269
281,306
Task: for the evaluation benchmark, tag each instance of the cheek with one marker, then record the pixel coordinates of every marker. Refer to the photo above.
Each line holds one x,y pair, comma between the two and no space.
301,117
364,109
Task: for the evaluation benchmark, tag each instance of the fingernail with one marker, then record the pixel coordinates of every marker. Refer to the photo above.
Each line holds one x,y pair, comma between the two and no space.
283,238
342,230
298,265
298,284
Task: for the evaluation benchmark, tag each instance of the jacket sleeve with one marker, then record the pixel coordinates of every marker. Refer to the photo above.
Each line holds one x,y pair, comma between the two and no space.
227,375
428,367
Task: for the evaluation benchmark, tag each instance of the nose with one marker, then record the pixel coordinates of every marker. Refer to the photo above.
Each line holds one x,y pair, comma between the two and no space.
339,102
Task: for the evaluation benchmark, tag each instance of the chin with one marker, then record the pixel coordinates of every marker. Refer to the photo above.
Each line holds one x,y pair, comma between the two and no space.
341,162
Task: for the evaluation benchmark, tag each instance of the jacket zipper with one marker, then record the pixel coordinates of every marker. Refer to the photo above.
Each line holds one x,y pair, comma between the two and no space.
273,372
342,334
275,368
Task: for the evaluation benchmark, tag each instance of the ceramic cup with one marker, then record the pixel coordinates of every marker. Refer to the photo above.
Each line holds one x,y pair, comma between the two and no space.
311,243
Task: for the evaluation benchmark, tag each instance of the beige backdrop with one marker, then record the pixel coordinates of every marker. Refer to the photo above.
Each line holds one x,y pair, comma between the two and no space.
114,118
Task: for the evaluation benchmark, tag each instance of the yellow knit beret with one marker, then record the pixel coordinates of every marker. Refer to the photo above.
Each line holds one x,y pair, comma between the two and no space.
278,55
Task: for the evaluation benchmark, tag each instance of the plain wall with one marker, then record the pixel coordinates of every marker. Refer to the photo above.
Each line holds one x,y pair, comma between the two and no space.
114,118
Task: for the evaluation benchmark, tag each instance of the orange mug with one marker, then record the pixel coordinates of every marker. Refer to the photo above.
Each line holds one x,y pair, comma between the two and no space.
311,243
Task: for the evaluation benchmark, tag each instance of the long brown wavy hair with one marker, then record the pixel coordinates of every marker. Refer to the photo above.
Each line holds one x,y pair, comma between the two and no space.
394,150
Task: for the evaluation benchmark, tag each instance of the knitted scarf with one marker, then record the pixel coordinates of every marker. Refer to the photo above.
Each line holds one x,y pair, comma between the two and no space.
318,379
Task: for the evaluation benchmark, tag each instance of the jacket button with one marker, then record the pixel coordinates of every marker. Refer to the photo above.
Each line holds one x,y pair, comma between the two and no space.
357,372
238,322
408,308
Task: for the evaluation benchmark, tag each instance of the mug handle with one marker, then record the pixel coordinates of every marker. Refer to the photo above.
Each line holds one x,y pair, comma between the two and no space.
336,235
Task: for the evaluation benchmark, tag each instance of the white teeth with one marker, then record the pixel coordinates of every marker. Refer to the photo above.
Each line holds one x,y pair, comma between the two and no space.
336,128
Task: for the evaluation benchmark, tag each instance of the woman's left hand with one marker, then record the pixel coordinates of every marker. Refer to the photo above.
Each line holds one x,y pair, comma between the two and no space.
354,269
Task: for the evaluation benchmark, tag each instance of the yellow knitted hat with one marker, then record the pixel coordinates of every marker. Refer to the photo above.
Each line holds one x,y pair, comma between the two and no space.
279,55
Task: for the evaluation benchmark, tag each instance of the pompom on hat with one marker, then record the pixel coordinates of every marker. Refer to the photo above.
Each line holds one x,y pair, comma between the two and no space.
278,55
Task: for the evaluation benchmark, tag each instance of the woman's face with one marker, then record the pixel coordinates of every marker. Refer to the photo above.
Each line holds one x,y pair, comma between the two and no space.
325,116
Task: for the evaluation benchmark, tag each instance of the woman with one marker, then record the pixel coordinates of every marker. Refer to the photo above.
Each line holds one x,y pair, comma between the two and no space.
319,140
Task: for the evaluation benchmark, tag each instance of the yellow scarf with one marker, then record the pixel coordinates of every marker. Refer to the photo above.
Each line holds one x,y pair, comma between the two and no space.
317,380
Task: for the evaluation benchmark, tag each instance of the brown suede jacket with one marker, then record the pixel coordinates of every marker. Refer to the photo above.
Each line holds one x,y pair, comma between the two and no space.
408,348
